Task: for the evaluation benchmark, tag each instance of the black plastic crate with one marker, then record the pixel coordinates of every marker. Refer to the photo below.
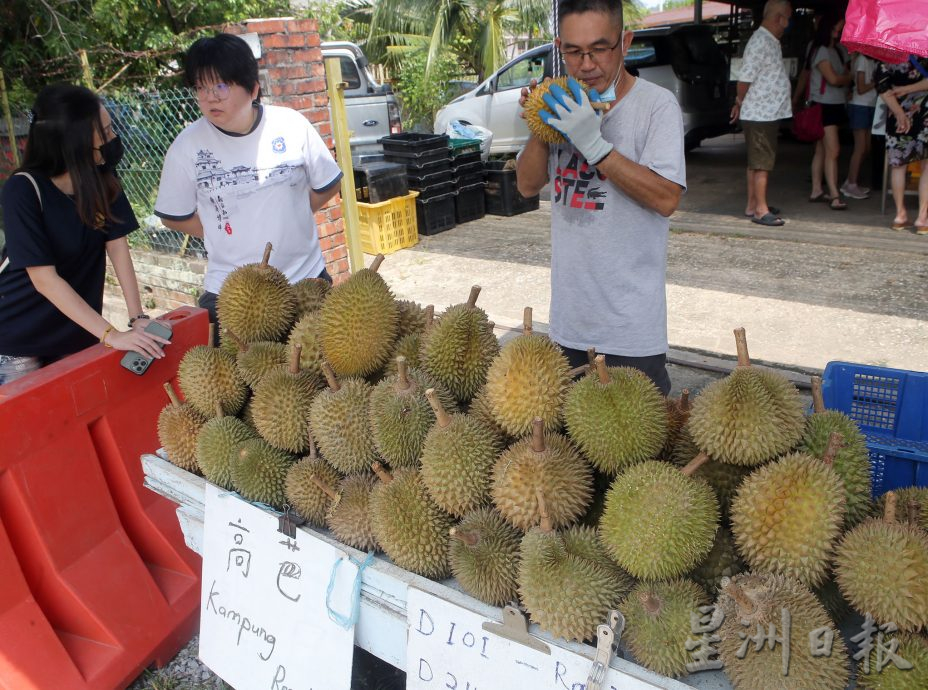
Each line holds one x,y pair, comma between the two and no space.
501,194
462,147
437,189
420,181
376,182
462,169
465,158
415,148
469,203
470,178
436,214
415,166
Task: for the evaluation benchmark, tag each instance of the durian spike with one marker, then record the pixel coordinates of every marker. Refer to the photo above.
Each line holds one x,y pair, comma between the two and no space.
649,602
741,343
375,264
468,538
527,321
818,400
295,352
402,375
474,293
545,524
172,394
601,369
835,443
745,603
889,510
266,259
695,464
591,356
241,344
538,435
324,488
381,472
330,377
440,415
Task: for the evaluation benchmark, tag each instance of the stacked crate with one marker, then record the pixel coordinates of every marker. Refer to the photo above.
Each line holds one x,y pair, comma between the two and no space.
502,196
470,179
427,158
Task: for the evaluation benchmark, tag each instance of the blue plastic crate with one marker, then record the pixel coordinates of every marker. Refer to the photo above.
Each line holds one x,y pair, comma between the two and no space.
891,407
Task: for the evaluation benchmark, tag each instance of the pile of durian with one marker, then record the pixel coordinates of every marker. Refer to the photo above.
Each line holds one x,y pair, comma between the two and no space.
572,492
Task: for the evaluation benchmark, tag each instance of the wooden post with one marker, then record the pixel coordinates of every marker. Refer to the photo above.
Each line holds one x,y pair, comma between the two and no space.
342,136
8,117
86,73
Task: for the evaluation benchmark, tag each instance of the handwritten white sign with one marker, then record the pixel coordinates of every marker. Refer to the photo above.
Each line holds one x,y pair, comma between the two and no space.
263,620
449,649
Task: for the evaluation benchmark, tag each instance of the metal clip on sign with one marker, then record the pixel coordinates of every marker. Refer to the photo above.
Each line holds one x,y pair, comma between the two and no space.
515,627
607,637
288,522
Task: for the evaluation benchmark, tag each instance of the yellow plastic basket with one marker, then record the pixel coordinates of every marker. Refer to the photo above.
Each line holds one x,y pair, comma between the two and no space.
389,225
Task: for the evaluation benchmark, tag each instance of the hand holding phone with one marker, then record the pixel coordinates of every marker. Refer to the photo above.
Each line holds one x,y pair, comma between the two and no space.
137,362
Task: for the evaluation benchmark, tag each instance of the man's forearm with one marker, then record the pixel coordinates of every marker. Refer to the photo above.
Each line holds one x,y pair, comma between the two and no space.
641,183
190,226
532,168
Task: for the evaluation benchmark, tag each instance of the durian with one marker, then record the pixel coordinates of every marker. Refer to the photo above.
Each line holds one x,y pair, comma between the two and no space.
410,528
617,418
659,521
535,103
306,485
349,516
339,418
308,295
722,561
678,414
485,556
255,360
178,426
208,375
281,406
906,668
259,473
911,506
749,417
218,444
411,318
359,321
305,333
256,301
458,453
724,478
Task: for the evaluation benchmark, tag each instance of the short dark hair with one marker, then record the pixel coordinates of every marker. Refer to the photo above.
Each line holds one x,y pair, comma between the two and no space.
221,58
613,7
64,119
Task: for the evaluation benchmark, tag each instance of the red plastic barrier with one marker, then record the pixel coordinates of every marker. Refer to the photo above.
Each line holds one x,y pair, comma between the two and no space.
96,582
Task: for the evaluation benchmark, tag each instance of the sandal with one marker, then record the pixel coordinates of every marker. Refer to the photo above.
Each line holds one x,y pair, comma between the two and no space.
819,197
773,209
900,226
921,229
769,220
837,205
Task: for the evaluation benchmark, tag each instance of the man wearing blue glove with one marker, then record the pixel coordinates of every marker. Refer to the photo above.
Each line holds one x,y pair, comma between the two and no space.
614,185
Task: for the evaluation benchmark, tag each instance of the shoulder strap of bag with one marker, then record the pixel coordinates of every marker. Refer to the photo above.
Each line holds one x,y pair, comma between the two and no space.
918,65
35,186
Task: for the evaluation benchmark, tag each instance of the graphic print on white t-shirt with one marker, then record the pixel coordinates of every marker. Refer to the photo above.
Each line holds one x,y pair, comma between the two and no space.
577,184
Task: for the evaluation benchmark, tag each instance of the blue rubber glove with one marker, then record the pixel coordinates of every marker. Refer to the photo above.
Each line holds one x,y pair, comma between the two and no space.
575,118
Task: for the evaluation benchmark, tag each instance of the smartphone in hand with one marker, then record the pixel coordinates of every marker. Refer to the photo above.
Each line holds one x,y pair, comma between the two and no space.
138,363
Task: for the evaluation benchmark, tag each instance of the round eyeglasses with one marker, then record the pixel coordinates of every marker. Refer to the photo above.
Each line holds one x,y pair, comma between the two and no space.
597,55
218,91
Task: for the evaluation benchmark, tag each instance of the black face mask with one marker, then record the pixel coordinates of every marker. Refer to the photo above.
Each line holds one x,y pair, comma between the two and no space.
112,152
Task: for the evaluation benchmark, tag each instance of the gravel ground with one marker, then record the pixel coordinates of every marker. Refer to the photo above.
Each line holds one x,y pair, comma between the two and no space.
184,672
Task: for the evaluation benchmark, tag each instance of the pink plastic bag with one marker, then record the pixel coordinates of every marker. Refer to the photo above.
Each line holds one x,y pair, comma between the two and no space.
888,30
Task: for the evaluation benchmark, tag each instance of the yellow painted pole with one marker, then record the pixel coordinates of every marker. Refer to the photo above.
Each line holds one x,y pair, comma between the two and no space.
8,116
342,136
86,73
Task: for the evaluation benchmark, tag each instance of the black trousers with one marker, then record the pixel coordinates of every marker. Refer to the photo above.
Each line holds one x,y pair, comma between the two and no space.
654,366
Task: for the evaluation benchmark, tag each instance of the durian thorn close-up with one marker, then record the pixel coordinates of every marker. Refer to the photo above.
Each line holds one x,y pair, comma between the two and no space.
441,415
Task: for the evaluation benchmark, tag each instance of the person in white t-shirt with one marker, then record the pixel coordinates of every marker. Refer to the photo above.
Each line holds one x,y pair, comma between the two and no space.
860,113
245,174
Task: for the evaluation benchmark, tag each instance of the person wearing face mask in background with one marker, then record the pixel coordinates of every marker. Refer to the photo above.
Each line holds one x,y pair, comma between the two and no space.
64,212
614,185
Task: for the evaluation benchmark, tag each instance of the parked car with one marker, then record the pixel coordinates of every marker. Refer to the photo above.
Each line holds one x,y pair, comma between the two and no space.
683,59
372,109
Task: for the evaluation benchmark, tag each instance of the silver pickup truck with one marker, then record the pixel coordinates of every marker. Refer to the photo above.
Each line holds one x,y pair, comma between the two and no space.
372,109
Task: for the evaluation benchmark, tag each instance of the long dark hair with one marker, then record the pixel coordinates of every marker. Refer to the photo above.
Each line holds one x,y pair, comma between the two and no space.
822,37
64,119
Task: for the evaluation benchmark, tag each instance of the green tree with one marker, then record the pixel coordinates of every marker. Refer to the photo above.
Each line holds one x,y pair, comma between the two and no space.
421,94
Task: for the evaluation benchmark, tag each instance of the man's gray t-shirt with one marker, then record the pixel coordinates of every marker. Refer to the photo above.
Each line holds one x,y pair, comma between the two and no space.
608,252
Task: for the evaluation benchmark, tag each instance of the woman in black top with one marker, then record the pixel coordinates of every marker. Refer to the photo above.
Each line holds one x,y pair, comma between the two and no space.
58,234
904,88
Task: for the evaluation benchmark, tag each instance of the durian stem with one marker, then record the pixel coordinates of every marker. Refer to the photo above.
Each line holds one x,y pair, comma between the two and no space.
527,321
601,369
545,524
330,376
889,510
375,264
685,403
219,411
402,375
381,472
468,538
241,344
741,343
429,316
474,293
835,443
650,603
578,371
744,602
695,464
591,356
538,435
818,400
172,394
295,353
313,453
324,488
491,325
914,513
440,415
267,254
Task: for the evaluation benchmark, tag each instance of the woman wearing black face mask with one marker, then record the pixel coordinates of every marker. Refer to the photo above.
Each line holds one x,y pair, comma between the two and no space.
64,212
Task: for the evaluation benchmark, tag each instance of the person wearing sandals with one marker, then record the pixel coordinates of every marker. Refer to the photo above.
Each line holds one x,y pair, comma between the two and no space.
829,79
64,212
762,101
904,89
860,113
